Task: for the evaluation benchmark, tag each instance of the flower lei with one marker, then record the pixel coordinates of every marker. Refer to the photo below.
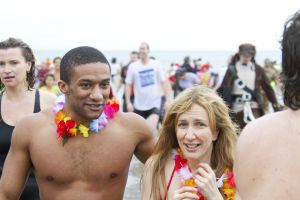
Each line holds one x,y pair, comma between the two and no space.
67,128
226,182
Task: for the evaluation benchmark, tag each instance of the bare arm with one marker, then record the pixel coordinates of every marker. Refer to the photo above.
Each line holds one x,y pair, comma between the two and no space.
127,97
145,135
167,89
17,164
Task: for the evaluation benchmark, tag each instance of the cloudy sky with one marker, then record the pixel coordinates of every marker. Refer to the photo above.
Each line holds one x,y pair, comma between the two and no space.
165,24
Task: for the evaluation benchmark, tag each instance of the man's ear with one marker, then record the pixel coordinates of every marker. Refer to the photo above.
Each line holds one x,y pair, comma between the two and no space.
63,87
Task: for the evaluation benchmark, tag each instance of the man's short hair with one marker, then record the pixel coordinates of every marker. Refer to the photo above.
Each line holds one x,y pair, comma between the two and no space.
79,56
135,52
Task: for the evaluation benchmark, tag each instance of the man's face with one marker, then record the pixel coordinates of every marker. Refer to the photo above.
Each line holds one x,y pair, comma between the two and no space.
245,58
88,90
143,51
134,57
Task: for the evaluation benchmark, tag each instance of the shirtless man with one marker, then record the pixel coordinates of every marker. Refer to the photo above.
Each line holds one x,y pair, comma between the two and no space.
267,162
89,168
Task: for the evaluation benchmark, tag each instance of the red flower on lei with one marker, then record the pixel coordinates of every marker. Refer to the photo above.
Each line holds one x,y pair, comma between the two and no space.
65,126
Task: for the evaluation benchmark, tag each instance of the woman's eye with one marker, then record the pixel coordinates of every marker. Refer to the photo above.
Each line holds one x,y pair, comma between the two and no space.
200,124
181,125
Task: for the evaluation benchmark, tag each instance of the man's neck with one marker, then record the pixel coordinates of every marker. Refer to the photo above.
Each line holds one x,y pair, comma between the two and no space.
75,117
145,61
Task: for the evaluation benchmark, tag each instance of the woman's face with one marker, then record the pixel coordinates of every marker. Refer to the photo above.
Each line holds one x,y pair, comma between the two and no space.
194,135
49,81
13,67
57,64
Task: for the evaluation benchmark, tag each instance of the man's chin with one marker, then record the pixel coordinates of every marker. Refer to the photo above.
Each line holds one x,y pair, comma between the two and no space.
94,116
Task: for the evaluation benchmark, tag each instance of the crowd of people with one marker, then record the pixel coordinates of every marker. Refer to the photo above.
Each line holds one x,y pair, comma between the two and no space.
63,136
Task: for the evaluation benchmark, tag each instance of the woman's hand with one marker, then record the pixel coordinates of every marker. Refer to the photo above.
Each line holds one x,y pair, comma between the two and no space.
205,179
186,193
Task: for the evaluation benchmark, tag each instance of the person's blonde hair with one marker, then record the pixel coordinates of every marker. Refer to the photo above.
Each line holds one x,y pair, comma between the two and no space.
219,121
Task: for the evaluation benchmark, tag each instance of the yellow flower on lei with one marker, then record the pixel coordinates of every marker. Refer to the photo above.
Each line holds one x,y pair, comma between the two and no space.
83,130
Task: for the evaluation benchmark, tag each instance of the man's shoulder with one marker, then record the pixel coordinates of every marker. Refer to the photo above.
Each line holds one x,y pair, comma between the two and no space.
129,118
263,128
33,122
133,123
36,118
154,62
134,64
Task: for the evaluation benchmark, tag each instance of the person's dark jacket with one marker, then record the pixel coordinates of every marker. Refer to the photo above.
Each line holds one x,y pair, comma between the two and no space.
261,83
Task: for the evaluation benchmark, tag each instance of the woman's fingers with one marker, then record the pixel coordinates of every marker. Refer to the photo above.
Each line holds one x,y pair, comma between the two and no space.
185,192
205,171
207,168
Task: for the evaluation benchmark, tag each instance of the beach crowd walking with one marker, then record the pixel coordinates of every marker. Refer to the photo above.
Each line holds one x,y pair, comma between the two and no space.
81,126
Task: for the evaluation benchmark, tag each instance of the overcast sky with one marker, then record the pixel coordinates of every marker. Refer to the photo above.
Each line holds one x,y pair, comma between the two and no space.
164,24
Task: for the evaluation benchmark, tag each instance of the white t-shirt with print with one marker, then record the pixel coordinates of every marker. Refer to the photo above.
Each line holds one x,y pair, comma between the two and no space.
146,80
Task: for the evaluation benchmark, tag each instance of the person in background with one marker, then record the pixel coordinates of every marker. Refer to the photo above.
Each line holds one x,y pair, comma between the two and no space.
18,99
134,56
242,85
116,75
193,157
48,85
187,64
148,80
184,80
267,155
56,69
273,75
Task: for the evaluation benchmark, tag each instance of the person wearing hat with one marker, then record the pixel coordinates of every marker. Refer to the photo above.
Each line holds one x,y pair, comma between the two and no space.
242,85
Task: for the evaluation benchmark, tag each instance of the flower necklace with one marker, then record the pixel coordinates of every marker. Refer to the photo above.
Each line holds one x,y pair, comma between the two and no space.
67,128
226,181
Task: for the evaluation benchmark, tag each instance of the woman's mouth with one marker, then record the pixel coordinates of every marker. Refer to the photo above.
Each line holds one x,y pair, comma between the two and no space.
8,78
191,147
